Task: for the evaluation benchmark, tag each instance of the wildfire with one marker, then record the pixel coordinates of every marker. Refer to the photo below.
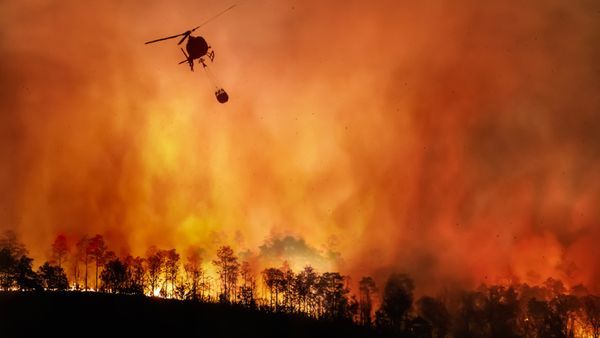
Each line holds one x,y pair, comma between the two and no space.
156,292
581,331
422,138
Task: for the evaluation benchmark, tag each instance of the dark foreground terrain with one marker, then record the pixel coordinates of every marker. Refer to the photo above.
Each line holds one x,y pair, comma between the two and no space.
77,314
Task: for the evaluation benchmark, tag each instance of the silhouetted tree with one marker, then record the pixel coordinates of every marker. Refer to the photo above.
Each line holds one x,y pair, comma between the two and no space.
75,268
114,276
246,292
228,270
60,249
26,279
564,308
470,318
546,310
7,268
351,311
434,311
551,319
305,287
367,288
53,277
525,323
15,266
489,311
83,256
333,291
193,270
154,263
206,287
181,289
273,279
135,274
501,310
109,255
171,268
9,241
540,317
579,290
590,313
554,287
96,249
287,287
549,312
397,299
419,327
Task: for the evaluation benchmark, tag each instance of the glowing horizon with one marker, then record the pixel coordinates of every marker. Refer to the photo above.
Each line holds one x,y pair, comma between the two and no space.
455,142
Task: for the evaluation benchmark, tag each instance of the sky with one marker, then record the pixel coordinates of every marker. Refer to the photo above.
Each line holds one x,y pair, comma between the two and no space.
457,141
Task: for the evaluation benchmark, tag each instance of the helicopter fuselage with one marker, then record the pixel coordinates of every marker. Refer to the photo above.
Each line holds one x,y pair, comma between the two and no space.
196,47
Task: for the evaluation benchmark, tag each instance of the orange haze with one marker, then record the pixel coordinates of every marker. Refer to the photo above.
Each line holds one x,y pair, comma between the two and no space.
458,141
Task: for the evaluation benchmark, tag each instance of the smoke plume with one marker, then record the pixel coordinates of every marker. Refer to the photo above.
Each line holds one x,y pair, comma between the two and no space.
456,141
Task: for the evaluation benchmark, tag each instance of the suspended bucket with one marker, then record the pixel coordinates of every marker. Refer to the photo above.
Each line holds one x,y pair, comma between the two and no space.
222,96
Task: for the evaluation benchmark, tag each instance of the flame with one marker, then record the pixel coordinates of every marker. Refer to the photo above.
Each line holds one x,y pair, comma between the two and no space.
423,137
581,330
156,292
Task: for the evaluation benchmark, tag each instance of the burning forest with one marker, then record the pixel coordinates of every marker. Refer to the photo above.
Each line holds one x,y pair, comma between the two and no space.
511,310
439,160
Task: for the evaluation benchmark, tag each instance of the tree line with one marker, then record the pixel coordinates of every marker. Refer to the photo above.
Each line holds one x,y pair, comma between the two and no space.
517,310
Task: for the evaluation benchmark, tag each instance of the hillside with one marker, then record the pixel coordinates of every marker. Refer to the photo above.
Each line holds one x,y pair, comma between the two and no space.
27,314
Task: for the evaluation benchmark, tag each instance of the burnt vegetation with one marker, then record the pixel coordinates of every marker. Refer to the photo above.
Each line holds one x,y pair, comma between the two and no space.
167,293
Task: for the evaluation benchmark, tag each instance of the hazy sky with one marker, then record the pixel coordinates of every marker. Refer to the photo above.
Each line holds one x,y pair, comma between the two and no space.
458,141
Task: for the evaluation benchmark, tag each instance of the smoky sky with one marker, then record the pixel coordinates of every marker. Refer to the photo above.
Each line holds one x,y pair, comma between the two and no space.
457,141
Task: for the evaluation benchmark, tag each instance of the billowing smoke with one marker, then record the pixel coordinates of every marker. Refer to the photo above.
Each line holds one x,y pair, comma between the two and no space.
297,253
456,141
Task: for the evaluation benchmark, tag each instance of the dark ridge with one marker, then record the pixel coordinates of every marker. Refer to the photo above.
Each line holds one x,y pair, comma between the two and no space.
62,314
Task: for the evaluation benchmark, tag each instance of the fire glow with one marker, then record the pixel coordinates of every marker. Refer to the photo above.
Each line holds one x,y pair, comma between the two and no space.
455,142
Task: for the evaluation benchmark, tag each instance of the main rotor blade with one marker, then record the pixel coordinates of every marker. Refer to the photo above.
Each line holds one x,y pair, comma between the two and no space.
167,38
214,17
185,35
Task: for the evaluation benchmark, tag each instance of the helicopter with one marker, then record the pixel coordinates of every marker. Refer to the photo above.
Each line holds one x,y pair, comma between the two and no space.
198,48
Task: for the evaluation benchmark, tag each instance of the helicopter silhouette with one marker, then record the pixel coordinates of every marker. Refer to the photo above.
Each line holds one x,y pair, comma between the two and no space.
198,48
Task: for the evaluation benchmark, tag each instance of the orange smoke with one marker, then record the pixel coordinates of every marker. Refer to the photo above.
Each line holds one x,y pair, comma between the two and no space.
457,142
